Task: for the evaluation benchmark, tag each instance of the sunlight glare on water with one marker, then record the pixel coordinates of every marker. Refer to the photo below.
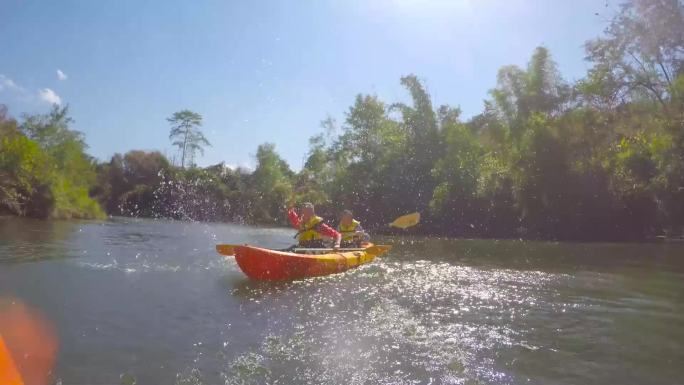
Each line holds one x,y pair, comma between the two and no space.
417,321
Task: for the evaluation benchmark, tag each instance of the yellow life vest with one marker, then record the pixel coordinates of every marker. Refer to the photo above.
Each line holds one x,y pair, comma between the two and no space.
348,231
307,230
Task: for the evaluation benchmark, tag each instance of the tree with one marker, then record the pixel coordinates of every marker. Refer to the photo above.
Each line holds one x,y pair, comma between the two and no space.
520,93
640,55
317,173
365,158
188,137
52,130
457,173
271,185
66,146
44,171
413,169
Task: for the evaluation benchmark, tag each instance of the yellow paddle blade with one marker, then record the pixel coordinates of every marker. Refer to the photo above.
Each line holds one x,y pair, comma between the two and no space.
227,250
406,221
378,249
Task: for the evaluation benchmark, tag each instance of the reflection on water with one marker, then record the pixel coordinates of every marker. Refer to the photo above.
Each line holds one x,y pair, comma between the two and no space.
30,240
151,302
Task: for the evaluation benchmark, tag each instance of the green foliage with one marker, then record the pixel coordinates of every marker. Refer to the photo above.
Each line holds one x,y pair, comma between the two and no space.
317,174
72,201
271,185
454,200
639,180
520,94
639,56
44,171
125,180
51,131
25,175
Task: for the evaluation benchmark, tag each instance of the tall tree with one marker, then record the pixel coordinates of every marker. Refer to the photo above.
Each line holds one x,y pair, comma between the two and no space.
424,146
640,55
185,129
520,93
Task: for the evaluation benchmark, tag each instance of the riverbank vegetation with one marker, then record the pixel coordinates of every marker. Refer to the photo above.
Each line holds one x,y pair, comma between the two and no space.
598,159
44,170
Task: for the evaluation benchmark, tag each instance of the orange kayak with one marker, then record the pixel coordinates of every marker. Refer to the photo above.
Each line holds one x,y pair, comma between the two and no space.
266,264
8,370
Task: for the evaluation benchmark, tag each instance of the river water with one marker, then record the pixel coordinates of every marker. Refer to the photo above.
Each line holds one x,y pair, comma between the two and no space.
150,302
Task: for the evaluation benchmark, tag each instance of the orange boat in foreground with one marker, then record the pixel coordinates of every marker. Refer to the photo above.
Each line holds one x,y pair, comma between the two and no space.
266,264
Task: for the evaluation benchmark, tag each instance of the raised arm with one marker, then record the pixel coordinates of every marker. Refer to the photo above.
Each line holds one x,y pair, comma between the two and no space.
293,217
331,233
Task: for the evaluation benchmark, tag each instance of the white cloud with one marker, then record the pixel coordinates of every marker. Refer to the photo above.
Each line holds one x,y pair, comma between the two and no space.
49,96
14,90
61,75
7,83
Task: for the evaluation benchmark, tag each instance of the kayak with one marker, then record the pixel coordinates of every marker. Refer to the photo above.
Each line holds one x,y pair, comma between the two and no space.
267,264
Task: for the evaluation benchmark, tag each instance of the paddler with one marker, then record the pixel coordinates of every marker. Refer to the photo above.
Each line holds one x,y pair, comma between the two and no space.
351,230
311,228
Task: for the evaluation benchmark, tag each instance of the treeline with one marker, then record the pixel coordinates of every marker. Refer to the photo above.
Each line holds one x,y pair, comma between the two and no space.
598,159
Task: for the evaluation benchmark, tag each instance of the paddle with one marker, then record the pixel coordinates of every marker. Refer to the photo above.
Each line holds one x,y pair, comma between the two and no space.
322,249
375,249
226,249
406,221
403,222
229,250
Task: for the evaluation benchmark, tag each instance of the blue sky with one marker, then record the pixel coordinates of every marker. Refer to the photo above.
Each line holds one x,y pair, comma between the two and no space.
266,71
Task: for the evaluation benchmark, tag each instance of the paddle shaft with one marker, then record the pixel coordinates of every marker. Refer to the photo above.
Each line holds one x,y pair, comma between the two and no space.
230,249
304,249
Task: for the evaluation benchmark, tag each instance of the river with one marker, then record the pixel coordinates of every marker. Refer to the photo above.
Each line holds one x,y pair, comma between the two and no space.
150,302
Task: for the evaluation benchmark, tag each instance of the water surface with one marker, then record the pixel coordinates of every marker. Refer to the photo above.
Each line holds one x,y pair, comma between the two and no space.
151,301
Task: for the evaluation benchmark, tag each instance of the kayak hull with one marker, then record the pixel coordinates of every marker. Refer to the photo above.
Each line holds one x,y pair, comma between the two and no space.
273,265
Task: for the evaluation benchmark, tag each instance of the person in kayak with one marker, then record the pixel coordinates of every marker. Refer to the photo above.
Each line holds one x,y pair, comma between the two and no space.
351,230
311,228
